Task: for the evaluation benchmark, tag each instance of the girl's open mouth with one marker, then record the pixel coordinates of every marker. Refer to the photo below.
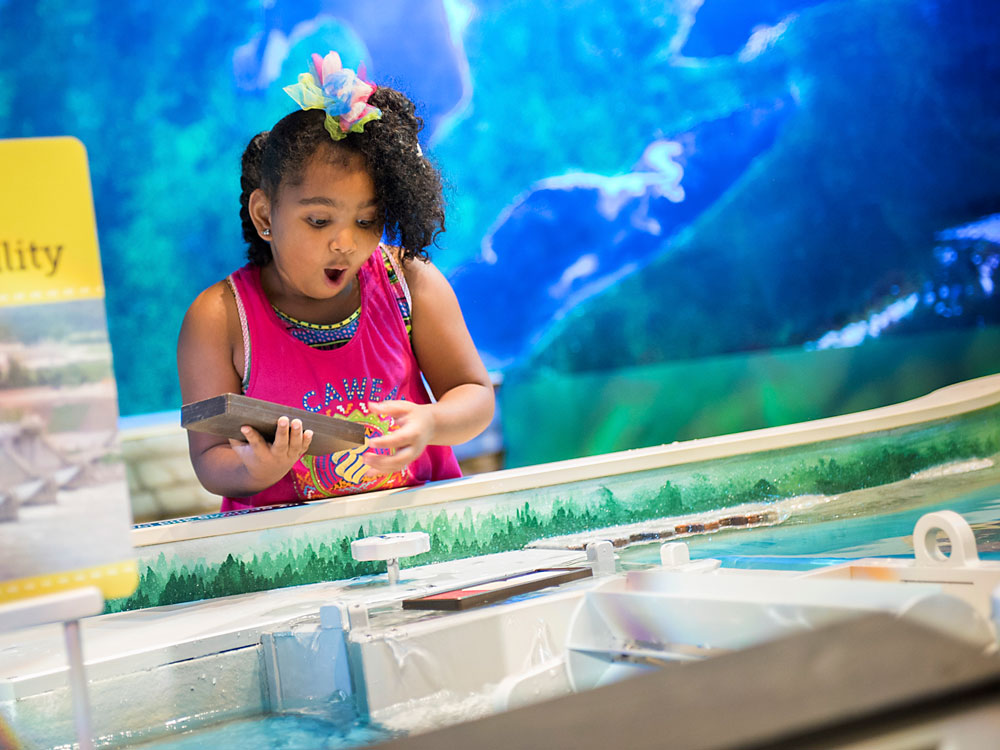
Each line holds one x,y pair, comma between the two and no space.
334,274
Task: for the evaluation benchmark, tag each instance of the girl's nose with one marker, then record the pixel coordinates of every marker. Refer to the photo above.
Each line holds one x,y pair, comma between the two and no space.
343,240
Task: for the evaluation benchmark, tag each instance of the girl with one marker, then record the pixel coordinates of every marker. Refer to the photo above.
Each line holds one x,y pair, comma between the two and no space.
325,317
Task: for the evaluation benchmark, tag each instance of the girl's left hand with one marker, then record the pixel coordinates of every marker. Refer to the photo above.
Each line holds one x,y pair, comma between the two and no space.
414,432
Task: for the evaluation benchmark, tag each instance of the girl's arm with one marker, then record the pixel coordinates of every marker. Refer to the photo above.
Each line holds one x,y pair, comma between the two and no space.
209,363
452,367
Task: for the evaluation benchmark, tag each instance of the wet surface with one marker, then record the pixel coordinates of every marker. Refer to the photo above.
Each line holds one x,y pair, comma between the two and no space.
289,732
865,523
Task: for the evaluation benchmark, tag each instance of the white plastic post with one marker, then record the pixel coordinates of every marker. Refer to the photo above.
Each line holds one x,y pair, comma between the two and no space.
391,547
392,570
66,607
601,557
78,685
674,554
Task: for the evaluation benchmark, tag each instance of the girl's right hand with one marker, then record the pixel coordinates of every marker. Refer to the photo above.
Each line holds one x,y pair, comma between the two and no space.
266,462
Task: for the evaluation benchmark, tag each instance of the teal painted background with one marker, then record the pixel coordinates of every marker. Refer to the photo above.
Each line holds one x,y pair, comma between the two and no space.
644,197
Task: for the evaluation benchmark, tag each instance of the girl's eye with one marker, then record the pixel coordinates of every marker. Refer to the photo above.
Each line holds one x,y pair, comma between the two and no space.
318,222
366,223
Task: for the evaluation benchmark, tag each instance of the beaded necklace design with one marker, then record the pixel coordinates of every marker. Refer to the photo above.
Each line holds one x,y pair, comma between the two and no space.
334,335
325,337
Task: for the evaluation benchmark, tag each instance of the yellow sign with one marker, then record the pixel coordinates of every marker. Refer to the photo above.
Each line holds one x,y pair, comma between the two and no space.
64,508
48,235
115,580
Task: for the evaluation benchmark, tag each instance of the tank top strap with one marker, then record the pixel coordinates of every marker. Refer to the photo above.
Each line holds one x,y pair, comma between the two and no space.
397,282
245,285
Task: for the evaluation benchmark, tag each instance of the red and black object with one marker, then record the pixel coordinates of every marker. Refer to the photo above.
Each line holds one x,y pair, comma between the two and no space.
497,590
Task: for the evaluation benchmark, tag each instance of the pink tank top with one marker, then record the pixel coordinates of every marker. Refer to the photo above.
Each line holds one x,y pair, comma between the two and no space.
377,364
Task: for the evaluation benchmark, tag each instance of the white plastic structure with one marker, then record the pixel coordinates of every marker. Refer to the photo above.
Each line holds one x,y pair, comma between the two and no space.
925,540
673,554
391,548
668,614
66,607
960,573
601,557
662,615
677,556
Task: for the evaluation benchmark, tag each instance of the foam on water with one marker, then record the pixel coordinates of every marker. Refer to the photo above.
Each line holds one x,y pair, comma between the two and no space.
442,708
958,467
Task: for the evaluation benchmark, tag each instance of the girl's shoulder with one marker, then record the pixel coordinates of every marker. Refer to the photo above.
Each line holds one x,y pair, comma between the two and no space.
210,346
213,304
213,315
426,286
211,337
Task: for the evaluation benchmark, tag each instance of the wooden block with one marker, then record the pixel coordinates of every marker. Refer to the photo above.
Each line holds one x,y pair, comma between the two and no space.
224,415
494,591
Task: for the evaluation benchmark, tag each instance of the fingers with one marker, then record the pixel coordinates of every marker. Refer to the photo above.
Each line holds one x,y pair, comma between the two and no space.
391,408
409,438
409,421
403,444
266,462
254,438
279,446
290,439
394,451
392,440
387,464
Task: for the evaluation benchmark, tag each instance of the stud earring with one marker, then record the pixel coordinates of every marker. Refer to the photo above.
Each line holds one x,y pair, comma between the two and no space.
266,232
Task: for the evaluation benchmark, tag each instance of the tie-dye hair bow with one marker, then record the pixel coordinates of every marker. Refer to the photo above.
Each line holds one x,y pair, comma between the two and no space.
340,91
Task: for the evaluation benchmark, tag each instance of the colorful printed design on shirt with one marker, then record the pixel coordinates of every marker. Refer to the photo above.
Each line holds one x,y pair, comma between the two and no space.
344,472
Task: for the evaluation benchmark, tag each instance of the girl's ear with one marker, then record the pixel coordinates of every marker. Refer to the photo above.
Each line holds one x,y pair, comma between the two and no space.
260,213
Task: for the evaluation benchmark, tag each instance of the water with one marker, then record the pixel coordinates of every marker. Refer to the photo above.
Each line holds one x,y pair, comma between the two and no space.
876,522
285,732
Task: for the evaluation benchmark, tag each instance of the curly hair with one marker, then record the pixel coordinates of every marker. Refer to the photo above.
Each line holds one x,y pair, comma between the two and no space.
407,186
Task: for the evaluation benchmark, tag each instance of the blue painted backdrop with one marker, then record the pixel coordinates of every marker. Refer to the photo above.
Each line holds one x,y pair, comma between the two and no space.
667,220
